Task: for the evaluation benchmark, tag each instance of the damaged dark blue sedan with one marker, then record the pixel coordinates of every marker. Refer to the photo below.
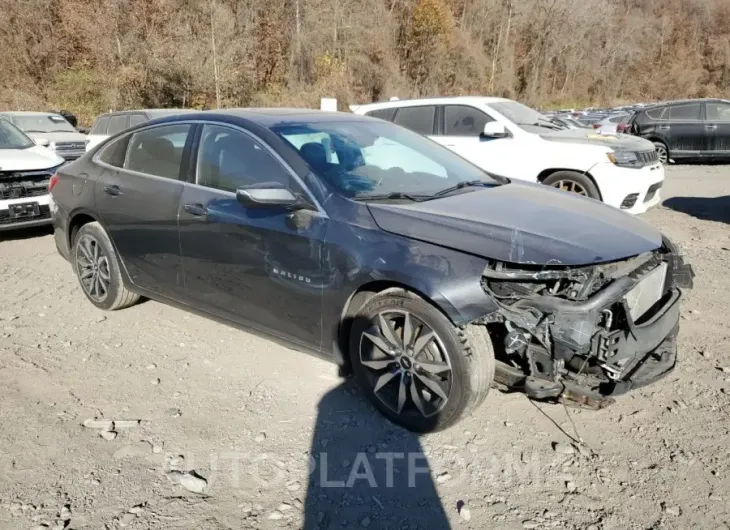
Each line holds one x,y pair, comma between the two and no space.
367,244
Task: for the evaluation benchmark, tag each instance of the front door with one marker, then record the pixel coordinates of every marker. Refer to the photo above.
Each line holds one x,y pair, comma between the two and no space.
137,198
462,133
685,130
717,125
257,266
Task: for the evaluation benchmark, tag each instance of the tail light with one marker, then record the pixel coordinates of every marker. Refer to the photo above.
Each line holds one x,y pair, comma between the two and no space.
596,125
622,128
52,183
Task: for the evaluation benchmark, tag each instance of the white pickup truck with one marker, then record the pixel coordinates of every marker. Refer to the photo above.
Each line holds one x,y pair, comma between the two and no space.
507,138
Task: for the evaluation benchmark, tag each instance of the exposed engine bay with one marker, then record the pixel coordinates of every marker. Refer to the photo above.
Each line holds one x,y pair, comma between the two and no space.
584,334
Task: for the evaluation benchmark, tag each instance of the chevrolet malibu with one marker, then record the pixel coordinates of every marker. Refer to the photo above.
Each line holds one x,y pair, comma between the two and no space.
364,243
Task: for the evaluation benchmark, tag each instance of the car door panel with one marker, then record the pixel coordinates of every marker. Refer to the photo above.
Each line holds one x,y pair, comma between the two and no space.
462,127
260,267
717,126
138,197
684,129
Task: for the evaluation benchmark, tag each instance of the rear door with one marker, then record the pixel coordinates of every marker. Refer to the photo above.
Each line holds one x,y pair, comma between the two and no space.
717,127
420,119
261,267
685,130
137,198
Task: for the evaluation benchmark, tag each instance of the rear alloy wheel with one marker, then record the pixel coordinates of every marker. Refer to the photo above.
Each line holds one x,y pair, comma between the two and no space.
662,152
97,269
415,366
573,182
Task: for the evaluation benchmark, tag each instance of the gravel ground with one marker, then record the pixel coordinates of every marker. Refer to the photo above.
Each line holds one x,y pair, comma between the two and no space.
271,431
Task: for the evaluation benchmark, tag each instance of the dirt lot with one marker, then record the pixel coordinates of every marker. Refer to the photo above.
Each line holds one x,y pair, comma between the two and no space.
273,431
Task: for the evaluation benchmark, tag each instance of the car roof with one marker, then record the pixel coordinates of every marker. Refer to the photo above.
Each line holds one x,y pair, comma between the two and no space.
683,101
149,112
482,100
29,113
270,117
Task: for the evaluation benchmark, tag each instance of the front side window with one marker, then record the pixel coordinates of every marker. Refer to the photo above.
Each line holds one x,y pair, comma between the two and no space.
158,151
417,119
229,159
717,111
12,138
689,111
117,124
371,159
461,120
100,125
43,123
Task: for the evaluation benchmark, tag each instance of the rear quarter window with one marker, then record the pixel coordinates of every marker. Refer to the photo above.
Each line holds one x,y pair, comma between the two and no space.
657,114
383,114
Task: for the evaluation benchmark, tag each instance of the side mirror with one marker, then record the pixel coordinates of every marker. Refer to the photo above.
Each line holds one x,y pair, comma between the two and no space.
44,142
494,129
267,197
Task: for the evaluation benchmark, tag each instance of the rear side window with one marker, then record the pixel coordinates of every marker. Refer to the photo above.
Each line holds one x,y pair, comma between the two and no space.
717,111
158,151
117,124
688,111
114,153
100,125
417,119
136,119
383,114
461,120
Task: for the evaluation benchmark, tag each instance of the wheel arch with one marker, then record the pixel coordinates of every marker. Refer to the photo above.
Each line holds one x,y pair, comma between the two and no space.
76,220
544,174
362,294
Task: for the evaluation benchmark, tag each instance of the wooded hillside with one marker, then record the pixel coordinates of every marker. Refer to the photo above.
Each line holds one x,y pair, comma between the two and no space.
91,55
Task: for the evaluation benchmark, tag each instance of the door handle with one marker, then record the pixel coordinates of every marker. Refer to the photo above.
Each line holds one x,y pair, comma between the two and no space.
665,127
197,210
711,127
113,190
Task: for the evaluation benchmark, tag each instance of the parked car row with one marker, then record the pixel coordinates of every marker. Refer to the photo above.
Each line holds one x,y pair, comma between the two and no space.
681,130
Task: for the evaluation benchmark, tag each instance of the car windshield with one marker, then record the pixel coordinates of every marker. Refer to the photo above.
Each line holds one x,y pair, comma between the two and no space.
12,138
43,123
369,159
524,117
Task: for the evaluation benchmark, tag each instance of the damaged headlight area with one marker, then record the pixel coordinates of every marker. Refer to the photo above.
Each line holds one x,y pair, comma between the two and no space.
586,333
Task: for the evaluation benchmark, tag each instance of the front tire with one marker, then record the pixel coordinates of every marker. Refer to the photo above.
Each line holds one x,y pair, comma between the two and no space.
417,368
573,182
97,268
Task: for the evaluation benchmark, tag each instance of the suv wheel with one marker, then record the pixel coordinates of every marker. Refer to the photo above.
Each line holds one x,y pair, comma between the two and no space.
573,182
662,152
415,366
97,268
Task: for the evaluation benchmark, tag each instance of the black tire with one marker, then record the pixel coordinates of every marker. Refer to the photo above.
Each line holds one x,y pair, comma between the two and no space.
561,179
662,152
469,352
115,295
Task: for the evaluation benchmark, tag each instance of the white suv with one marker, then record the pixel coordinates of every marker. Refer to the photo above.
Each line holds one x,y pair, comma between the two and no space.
507,138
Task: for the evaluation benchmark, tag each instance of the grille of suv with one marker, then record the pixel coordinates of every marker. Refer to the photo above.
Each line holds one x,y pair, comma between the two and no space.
44,213
647,157
21,184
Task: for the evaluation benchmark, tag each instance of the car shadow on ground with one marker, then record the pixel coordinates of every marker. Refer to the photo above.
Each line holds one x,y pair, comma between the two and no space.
25,233
366,472
705,208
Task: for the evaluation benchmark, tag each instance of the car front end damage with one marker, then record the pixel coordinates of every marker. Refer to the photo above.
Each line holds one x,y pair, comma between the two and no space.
586,334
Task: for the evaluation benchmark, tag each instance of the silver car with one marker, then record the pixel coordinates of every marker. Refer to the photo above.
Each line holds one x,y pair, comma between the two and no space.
610,124
50,130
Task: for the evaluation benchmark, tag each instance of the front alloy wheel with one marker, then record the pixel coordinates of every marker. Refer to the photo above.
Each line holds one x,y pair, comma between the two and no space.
416,367
408,363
